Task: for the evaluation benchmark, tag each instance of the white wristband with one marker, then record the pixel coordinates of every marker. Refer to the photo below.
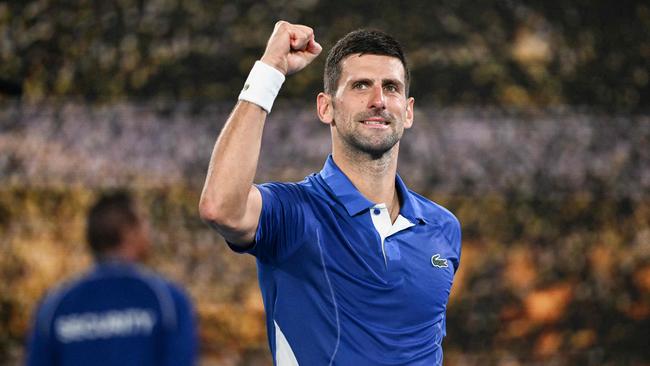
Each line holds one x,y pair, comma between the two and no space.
262,85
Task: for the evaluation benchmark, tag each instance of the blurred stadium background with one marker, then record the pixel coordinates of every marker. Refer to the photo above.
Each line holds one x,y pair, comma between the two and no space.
532,125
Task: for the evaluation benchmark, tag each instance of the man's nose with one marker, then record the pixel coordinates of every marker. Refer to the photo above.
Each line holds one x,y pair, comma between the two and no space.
377,100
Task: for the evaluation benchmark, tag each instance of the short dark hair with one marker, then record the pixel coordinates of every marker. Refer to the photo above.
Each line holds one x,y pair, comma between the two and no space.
363,41
108,218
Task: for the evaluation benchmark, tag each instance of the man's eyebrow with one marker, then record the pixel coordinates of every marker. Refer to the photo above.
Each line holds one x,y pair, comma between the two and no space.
392,81
383,81
361,80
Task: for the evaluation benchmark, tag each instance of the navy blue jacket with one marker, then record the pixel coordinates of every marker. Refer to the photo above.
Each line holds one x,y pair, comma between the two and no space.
117,314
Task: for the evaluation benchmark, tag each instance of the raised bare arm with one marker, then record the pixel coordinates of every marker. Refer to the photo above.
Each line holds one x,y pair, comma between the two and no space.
230,203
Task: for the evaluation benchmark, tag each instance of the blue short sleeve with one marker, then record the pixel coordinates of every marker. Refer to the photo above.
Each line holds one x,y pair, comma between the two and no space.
452,232
281,224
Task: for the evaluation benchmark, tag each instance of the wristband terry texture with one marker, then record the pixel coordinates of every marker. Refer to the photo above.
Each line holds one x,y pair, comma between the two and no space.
262,85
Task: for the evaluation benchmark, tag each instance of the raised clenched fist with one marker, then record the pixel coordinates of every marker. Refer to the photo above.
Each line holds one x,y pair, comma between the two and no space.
291,47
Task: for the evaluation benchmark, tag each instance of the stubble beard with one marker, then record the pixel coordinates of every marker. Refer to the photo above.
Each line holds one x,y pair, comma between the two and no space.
375,147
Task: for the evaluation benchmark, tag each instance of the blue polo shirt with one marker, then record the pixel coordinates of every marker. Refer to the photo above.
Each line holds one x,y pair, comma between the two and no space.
117,314
342,284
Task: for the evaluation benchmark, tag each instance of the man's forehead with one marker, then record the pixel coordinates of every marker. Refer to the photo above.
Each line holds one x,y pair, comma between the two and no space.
371,65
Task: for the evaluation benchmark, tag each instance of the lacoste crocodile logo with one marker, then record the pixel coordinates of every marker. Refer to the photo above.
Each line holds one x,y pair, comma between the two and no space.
436,261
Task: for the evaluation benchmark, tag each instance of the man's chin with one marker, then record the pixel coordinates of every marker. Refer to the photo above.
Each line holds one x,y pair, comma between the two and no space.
375,151
375,146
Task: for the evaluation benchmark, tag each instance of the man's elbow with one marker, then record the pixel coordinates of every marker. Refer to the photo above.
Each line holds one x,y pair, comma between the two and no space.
229,225
217,215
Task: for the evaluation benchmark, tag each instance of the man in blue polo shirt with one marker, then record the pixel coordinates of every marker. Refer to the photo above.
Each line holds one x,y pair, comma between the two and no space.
354,268
118,314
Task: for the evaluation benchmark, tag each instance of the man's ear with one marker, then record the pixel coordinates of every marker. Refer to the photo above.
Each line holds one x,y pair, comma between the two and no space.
324,108
410,103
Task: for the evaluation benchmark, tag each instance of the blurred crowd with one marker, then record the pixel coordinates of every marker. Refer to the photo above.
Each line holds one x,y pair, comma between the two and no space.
452,150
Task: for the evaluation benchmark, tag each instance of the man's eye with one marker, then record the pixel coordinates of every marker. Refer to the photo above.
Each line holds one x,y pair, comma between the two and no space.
391,88
360,86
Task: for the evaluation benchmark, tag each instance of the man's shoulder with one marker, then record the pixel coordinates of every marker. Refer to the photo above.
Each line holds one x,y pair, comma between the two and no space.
170,296
178,292
115,278
53,299
150,285
55,295
163,287
432,210
302,189
305,183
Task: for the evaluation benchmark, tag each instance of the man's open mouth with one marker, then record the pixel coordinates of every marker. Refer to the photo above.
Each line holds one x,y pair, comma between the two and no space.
375,121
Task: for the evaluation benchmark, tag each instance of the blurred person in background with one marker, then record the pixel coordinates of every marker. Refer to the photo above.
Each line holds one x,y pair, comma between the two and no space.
354,268
119,313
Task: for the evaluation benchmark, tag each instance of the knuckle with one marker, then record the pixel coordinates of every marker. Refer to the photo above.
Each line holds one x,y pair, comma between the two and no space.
281,24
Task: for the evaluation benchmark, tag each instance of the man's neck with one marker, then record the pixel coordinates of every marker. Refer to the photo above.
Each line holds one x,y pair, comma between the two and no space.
374,178
123,253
